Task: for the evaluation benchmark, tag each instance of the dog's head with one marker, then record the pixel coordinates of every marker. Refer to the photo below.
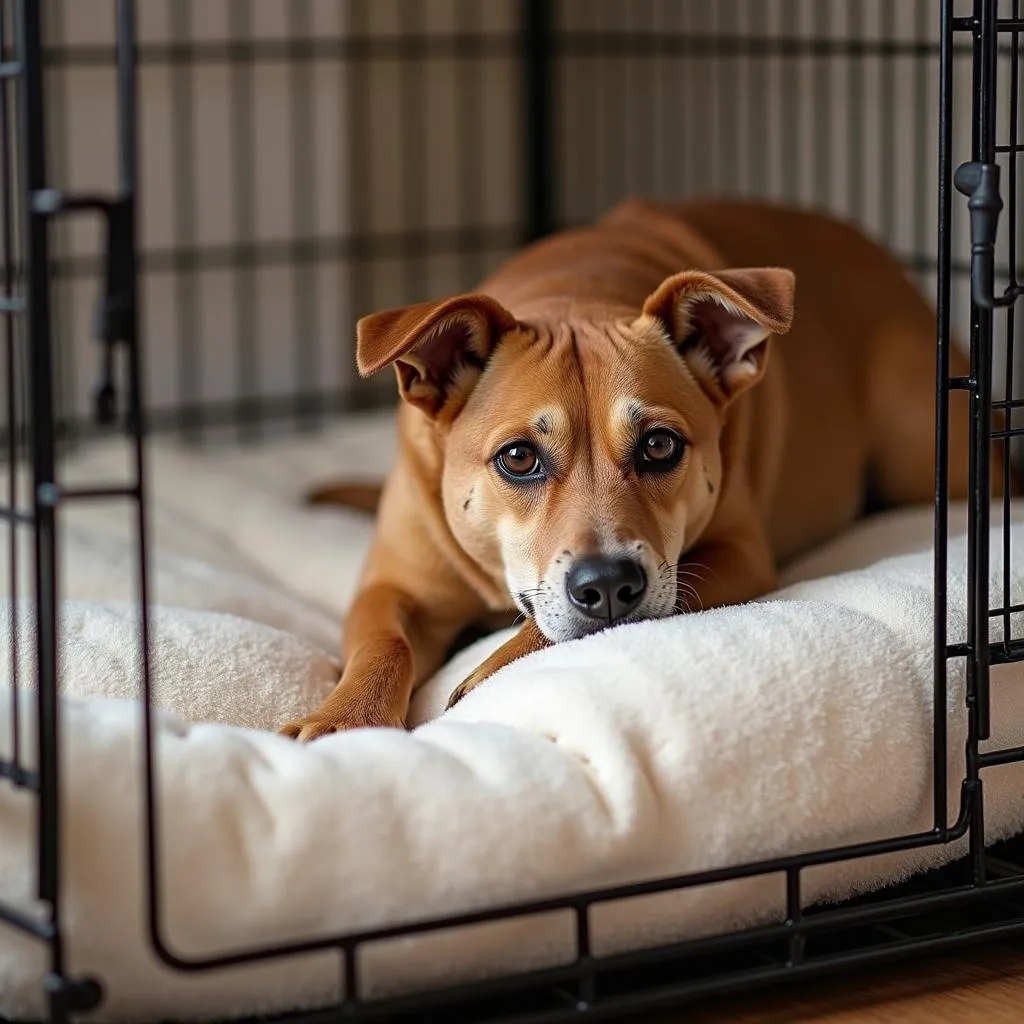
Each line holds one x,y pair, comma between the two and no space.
582,455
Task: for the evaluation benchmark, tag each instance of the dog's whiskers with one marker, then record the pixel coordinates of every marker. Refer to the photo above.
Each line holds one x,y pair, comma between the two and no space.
696,566
686,592
683,571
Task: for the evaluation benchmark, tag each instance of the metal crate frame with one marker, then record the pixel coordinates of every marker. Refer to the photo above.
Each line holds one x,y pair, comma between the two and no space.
986,889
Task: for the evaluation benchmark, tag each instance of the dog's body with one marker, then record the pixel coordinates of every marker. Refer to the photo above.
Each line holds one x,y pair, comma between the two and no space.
588,418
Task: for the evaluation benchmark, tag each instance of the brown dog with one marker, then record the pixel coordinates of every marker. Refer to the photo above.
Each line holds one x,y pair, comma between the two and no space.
582,439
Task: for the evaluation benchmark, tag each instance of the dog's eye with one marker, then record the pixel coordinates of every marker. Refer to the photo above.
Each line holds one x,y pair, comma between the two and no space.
660,449
519,460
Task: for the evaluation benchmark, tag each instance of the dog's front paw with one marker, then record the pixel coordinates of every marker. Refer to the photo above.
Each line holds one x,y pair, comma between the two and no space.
305,730
526,641
320,724
456,695
471,682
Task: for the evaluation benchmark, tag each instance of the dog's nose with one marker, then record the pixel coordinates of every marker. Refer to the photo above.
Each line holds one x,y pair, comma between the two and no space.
606,588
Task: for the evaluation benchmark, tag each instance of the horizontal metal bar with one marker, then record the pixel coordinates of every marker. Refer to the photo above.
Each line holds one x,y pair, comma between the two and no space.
414,244
1011,755
958,651
264,410
482,45
1013,609
409,244
472,991
1009,296
1006,653
692,880
17,515
962,383
654,44
817,922
15,918
52,201
298,251
616,1005
1009,432
924,264
463,45
598,43
19,776
53,494
773,968
998,868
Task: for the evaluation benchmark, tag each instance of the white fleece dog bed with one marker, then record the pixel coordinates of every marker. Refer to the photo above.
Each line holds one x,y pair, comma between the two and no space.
796,723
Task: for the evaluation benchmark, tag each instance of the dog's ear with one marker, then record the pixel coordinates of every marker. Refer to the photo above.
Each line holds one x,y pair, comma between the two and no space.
438,348
721,323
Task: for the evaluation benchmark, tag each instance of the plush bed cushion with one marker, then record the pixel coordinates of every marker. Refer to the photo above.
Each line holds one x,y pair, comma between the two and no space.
794,723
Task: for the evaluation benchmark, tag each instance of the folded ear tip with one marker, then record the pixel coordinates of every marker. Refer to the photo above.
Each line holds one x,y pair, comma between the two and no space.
786,282
365,364
782,277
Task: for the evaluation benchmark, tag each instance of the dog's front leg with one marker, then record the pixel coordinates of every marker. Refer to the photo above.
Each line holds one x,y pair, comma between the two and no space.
526,641
391,644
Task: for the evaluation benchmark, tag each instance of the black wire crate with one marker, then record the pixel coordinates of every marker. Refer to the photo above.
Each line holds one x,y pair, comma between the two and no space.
141,272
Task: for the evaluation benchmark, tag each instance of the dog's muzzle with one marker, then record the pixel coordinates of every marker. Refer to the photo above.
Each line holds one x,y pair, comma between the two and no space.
606,588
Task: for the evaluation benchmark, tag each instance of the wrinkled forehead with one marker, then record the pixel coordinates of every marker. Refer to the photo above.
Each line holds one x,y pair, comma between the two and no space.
556,393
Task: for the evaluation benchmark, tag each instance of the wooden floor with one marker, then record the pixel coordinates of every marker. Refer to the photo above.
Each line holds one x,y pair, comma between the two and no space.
980,985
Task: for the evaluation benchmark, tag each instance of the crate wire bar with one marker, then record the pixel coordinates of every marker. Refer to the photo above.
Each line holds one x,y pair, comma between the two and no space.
987,887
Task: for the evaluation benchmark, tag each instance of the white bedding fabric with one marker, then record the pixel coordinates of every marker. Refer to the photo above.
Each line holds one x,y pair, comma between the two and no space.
796,723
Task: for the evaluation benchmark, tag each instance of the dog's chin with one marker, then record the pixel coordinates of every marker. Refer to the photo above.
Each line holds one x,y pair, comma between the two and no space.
579,626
